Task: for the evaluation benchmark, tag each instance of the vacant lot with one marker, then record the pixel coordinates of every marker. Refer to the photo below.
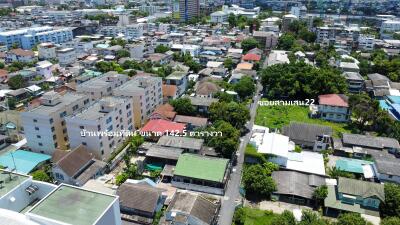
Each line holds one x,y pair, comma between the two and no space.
257,216
278,116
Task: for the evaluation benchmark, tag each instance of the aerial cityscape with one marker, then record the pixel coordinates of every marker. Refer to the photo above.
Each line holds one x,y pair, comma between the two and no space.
200,112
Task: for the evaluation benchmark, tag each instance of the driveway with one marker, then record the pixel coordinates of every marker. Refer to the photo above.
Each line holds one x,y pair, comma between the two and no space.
279,207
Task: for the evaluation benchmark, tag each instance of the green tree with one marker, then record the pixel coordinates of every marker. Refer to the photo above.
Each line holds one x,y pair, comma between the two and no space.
336,173
121,178
320,193
232,112
257,181
391,205
118,41
363,109
161,49
286,218
390,221
286,41
232,20
41,175
227,143
16,82
104,67
224,97
123,53
2,65
245,87
183,106
249,43
228,63
351,219
310,217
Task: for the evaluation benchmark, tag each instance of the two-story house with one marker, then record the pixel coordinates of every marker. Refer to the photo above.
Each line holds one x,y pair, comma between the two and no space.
334,107
179,79
351,195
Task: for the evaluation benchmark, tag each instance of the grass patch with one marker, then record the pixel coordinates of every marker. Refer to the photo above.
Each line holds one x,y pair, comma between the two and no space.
279,116
256,216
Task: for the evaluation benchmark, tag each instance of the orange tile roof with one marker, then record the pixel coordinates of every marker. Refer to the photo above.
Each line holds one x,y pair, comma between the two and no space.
251,57
333,100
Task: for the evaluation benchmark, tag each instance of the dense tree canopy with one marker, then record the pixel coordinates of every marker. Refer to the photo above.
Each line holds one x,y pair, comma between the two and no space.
232,112
227,143
41,175
161,49
391,206
245,87
257,179
183,106
249,43
123,53
104,66
16,82
351,219
301,81
390,221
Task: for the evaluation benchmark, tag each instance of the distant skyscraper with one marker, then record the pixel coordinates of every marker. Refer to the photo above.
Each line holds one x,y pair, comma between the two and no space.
188,9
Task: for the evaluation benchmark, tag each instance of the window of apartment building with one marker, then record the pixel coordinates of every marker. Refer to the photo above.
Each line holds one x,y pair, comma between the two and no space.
129,114
75,107
62,123
59,176
65,138
81,127
120,112
64,130
63,114
128,106
102,152
35,120
109,119
84,143
130,127
110,128
51,120
86,101
54,137
36,128
38,136
130,121
98,127
55,145
101,144
52,129
40,144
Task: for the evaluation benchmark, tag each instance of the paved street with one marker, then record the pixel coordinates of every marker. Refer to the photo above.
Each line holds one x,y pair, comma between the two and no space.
232,196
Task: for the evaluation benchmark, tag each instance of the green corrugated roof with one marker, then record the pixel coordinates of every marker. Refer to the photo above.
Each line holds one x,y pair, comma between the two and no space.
351,165
200,167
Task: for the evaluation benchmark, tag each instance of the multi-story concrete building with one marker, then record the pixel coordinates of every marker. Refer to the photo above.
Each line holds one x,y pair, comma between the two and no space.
268,40
47,51
136,50
109,114
219,17
189,9
334,107
44,126
366,42
66,56
287,20
20,55
31,202
145,92
388,27
99,87
131,31
29,37
179,79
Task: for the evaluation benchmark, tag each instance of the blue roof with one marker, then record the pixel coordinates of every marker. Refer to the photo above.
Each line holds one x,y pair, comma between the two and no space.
102,46
25,161
394,99
383,104
352,165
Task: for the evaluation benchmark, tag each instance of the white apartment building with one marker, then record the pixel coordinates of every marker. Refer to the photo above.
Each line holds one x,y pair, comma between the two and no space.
66,56
44,68
99,87
366,42
25,201
131,31
109,114
179,79
47,51
219,17
136,50
145,92
388,27
44,126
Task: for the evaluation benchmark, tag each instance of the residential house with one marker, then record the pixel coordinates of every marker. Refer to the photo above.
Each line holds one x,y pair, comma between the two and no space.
200,173
309,136
66,56
165,111
349,67
251,58
158,127
188,144
191,208
191,122
3,75
77,166
334,107
296,187
45,69
159,58
179,79
139,202
355,81
356,196
47,51
161,155
206,88
19,55
170,92
202,104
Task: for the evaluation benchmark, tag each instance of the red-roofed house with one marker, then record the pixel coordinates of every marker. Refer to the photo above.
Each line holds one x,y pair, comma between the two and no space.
334,107
160,127
3,75
251,58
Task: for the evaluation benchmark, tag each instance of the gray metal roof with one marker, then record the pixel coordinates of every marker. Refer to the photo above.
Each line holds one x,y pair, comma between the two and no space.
305,132
361,188
370,141
385,162
296,183
164,152
181,142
